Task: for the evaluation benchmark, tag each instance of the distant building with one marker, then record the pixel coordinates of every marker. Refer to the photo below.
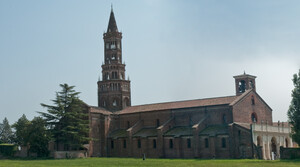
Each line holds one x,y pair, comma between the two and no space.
238,126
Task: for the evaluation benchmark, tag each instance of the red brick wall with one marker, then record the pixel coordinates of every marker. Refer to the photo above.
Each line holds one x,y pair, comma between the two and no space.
242,110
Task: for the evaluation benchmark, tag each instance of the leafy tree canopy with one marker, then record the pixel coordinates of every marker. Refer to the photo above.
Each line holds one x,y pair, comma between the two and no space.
294,109
38,137
21,133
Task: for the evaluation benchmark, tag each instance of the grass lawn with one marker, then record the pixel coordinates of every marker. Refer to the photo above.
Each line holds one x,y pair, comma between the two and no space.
94,162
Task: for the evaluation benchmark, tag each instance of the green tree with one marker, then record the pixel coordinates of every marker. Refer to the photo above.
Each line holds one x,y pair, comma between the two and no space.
38,137
21,131
6,132
294,109
67,119
32,134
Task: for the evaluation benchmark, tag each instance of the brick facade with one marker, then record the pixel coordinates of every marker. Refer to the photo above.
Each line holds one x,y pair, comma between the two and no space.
203,128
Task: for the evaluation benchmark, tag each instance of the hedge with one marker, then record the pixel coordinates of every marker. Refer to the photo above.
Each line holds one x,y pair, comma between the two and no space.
7,150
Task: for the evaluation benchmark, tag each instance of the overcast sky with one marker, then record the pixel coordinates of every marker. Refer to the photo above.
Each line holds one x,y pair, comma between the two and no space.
173,49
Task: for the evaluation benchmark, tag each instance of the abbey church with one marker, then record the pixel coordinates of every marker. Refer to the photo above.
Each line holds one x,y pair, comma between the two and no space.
238,126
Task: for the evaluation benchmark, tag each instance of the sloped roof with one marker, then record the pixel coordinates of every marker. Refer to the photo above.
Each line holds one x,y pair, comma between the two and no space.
119,133
244,125
146,132
213,130
178,104
179,131
239,98
99,110
112,24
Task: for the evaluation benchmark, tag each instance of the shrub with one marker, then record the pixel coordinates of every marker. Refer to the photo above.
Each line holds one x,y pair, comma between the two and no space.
8,150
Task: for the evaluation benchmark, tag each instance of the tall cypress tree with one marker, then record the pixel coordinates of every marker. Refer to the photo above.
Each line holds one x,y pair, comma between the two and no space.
67,119
294,109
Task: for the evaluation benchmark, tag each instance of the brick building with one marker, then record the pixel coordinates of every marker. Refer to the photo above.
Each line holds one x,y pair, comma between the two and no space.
220,127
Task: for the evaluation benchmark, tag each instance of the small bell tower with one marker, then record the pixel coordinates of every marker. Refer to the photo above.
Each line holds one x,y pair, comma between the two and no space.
113,90
244,82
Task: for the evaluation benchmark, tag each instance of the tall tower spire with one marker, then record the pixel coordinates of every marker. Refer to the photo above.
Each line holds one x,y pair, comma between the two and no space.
113,90
112,24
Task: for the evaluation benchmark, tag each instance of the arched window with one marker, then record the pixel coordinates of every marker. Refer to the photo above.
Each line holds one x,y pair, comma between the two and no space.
124,143
223,142
139,143
251,84
112,144
224,119
254,117
259,141
126,102
206,142
154,143
242,86
252,100
115,103
286,143
128,124
188,143
171,143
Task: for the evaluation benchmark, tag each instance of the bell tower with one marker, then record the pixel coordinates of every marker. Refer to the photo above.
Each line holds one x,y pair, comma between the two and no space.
244,82
113,90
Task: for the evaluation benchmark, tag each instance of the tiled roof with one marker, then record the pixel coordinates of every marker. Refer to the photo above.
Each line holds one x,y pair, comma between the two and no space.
178,104
99,110
146,132
179,131
215,130
119,133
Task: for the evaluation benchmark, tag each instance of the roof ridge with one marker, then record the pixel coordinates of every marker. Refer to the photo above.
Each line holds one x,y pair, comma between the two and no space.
184,100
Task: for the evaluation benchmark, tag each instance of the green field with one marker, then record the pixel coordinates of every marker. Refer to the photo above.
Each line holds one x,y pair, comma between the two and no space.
93,162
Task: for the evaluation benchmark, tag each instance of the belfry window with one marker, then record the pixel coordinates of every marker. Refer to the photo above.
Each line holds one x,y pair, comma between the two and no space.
114,75
113,45
242,86
115,103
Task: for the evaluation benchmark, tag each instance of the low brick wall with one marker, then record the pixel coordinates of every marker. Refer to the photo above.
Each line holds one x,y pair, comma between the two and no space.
69,154
289,153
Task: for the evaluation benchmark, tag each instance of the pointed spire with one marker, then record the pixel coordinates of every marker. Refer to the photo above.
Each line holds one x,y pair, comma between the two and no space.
112,24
